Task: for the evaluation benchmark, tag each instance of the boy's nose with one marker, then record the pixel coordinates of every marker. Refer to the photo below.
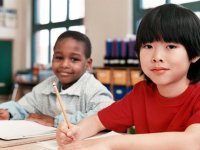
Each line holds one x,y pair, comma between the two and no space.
157,59
157,56
65,63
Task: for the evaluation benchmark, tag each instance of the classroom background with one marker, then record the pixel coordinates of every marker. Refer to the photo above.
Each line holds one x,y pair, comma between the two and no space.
29,28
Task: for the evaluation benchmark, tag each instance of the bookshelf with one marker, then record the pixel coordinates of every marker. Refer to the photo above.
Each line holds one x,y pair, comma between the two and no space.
119,80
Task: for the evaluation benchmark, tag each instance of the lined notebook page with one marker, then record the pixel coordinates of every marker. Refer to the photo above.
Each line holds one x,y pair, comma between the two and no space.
18,129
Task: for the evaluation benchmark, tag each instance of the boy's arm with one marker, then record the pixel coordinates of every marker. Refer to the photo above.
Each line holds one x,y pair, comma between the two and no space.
41,119
187,140
20,110
86,128
16,111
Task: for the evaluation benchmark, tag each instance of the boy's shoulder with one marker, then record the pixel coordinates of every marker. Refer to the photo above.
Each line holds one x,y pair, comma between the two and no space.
88,80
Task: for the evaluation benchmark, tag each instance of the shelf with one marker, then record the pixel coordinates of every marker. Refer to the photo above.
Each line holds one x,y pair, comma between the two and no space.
119,80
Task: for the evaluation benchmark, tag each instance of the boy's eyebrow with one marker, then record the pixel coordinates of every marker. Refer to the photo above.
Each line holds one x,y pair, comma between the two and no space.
57,53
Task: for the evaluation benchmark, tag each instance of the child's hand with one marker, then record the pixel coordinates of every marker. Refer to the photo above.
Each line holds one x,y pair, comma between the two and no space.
65,135
41,119
4,114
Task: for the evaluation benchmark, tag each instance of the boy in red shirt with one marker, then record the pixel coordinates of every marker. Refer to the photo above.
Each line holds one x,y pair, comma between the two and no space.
165,108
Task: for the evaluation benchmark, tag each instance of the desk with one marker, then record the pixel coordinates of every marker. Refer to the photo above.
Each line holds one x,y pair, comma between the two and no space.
51,144
44,145
34,143
32,146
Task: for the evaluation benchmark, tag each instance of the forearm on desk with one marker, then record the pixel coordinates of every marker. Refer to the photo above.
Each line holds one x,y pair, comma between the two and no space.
156,141
17,112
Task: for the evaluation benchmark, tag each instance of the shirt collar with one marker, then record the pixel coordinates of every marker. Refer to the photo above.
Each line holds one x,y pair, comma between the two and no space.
74,89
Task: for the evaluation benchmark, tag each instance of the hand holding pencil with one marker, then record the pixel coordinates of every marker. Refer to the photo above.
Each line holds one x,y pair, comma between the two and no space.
61,105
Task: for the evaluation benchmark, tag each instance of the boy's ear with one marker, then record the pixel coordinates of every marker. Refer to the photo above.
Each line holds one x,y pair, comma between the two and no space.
195,59
89,64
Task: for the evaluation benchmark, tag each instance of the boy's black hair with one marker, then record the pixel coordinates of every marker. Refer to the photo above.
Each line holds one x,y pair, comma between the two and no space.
77,36
172,23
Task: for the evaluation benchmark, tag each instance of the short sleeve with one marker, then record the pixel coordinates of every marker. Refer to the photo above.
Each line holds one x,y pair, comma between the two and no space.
118,116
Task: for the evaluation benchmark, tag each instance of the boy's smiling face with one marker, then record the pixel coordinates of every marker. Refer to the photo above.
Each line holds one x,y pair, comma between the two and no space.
69,61
166,64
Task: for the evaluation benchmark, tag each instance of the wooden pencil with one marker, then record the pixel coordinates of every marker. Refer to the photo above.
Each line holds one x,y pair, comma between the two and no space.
61,105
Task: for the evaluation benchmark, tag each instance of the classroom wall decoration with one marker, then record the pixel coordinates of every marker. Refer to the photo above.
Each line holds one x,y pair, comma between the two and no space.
8,17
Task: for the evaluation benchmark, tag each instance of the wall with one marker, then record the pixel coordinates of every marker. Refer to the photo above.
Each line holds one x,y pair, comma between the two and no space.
21,34
106,19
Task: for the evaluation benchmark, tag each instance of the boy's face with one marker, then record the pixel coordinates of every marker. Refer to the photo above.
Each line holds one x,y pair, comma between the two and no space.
69,61
165,63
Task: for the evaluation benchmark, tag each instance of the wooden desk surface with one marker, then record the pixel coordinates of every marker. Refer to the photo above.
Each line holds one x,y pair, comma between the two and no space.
27,143
32,146
51,144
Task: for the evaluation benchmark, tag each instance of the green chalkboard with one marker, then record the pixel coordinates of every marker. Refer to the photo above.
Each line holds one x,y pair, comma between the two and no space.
5,67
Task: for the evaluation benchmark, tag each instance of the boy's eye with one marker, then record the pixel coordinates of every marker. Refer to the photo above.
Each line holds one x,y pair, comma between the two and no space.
58,58
147,46
74,59
171,46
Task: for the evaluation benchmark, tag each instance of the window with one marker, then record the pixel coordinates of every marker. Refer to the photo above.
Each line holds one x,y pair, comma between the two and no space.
42,38
50,19
150,4
141,7
58,10
75,5
182,1
55,32
198,13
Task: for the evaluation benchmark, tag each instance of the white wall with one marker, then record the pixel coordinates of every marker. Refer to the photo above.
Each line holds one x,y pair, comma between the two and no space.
20,34
106,19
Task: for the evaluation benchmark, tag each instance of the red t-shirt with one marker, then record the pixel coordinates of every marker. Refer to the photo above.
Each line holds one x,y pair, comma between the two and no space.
149,112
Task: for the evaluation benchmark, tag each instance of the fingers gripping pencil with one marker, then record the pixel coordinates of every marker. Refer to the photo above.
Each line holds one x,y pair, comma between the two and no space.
61,105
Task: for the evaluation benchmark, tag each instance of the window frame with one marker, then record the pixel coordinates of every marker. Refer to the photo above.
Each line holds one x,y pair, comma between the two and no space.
138,12
51,25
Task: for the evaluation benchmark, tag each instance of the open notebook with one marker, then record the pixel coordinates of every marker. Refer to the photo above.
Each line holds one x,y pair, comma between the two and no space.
20,129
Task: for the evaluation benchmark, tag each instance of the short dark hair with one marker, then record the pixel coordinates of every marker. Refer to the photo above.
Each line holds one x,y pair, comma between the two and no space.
173,23
77,36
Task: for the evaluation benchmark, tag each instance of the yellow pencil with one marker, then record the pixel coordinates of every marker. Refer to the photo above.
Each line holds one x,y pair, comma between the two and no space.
61,105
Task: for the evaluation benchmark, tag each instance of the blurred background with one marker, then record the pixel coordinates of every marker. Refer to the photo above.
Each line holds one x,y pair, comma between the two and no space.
29,28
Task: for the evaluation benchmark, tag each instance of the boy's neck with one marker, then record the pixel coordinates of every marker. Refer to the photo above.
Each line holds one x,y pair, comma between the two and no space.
173,90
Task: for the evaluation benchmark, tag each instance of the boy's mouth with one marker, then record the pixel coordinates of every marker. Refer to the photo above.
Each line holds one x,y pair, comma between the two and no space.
159,69
65,73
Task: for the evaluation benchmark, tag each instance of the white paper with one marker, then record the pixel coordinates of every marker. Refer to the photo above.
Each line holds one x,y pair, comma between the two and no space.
17,129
